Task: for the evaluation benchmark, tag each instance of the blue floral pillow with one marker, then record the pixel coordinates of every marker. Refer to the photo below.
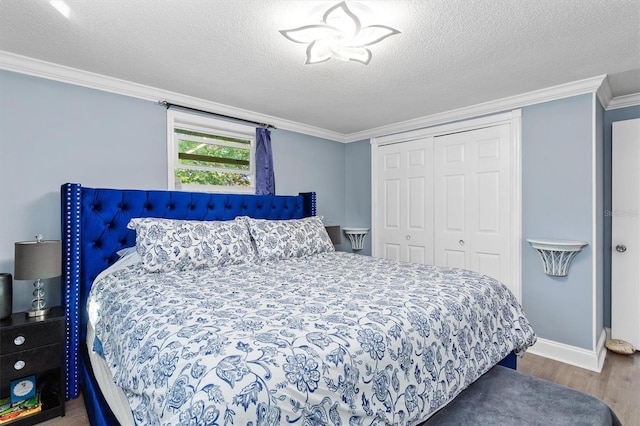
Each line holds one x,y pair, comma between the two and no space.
286,239
167,244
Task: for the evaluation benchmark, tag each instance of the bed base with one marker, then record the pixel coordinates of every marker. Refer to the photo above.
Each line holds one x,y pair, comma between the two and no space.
510,361
98,411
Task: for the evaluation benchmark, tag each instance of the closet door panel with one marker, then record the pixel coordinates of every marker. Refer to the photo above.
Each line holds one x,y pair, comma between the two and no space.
391,251
391,215
416,254
415,200
454,258
488,184
489,264
454,214
405,196
472,215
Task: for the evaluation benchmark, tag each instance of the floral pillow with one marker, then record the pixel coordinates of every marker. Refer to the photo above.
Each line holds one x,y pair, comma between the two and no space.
285,239
167,244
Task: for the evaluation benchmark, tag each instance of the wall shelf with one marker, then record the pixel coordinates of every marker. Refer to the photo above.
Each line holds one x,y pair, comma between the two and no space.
356,236
556,254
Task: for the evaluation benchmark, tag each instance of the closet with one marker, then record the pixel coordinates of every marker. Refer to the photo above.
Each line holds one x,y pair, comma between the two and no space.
450,197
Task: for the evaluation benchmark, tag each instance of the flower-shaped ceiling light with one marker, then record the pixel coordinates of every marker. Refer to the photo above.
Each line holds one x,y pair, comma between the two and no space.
340,36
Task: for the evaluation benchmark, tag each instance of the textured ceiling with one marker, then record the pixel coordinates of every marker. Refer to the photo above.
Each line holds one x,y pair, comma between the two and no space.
450,54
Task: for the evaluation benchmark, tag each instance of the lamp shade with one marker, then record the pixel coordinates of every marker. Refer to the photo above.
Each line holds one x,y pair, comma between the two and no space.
37,260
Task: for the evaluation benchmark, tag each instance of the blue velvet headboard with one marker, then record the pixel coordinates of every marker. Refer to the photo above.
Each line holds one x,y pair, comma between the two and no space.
94,228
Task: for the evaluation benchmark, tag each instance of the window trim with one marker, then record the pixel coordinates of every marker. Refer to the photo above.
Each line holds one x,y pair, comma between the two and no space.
202,124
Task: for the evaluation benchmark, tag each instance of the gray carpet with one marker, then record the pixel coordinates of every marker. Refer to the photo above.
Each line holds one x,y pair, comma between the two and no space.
507,397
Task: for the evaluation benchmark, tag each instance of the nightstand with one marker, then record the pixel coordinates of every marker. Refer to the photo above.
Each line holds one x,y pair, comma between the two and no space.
35,346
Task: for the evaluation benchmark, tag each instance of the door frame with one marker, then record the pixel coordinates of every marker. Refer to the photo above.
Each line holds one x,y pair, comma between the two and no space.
514,119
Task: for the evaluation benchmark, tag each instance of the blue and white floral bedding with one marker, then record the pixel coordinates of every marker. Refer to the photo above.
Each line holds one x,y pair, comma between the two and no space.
333,338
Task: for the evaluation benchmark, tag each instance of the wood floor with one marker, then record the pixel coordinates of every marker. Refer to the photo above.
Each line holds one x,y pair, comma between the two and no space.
618,385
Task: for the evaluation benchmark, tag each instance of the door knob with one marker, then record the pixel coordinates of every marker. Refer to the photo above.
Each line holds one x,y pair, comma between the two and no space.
461,242
621,248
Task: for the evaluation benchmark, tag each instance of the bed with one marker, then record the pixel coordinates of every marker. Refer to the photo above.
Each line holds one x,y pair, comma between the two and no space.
293,333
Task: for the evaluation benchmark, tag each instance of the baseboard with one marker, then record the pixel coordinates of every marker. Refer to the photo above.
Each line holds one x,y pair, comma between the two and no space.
583,358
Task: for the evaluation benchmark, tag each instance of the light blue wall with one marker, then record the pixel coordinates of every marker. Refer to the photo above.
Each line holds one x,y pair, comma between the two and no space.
305,163
610,117
358,189
557,203
52,133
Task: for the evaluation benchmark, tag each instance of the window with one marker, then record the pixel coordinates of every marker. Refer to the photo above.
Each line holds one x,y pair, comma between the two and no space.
210,155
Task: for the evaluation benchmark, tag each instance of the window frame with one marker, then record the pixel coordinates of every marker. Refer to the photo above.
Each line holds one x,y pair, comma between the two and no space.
209,125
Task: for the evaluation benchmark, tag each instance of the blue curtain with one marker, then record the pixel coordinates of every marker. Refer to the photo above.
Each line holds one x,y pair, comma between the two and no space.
265,179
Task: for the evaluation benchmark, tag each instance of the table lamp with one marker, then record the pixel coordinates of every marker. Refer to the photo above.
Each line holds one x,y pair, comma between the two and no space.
38,260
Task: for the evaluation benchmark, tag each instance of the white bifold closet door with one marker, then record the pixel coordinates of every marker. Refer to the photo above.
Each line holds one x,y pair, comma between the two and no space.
405,192
472,201
446,200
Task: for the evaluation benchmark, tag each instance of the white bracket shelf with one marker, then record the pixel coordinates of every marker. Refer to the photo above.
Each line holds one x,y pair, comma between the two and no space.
356,236
556,255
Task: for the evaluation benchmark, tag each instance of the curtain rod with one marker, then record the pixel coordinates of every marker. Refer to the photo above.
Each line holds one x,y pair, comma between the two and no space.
169,105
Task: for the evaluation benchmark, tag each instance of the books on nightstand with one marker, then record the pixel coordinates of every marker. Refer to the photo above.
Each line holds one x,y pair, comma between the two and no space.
9,411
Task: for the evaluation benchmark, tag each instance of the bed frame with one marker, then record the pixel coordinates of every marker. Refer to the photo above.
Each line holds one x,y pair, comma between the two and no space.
94,228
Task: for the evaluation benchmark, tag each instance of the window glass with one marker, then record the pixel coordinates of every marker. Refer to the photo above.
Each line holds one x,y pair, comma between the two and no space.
211,155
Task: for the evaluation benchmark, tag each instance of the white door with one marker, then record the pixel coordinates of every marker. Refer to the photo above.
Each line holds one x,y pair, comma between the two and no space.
472,178
625,232
405,192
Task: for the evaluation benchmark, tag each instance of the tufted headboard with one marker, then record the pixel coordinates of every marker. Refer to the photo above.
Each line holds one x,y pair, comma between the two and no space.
94,228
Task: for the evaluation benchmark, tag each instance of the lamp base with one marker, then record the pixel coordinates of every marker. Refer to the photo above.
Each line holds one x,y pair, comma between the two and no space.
32,313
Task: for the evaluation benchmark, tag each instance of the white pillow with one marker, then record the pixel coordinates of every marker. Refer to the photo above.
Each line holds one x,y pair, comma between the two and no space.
168,244
128,256
286,239
125,251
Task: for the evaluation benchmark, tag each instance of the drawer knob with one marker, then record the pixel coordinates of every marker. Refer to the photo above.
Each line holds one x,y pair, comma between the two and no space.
19,340
19,365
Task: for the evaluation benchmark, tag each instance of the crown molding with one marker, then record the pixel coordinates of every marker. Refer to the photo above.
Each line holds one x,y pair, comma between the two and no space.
580,87
624,101
47,70
604,93
50,71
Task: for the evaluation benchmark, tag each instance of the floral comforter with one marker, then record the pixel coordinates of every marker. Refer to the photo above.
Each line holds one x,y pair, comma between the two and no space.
331,339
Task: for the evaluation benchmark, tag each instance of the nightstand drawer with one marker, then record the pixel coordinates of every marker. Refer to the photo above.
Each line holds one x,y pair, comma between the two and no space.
20,338
35,346
24,363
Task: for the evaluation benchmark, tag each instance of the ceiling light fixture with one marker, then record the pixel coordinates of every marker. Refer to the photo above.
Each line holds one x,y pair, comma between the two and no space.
61,7
340,36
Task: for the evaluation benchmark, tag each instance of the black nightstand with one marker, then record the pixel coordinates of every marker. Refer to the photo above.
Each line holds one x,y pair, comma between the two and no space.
40,344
